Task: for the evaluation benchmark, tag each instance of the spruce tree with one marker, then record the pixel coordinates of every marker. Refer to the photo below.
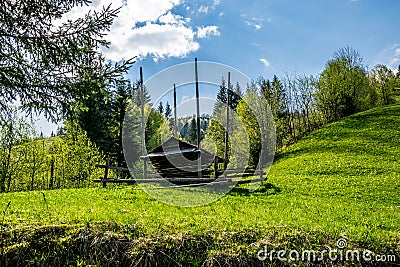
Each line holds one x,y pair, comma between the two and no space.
192,138
120,102
235,95
168,111
221,96
45,66
137,98
160,107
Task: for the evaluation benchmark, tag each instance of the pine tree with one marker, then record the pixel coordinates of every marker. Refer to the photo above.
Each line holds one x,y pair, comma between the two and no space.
121,99
192,138
137,98
221,96
168,111
47,64
95,116
160,107
266,89
280,98
235,96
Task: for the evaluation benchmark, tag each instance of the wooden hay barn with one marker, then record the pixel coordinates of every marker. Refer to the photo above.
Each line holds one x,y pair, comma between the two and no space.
178,159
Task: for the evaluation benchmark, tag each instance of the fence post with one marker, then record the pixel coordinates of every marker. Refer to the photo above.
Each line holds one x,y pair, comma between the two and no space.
261,164
196,73
227,124
142,124
106,172
216,167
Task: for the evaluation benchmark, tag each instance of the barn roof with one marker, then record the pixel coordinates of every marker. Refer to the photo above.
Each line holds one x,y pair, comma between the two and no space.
176,146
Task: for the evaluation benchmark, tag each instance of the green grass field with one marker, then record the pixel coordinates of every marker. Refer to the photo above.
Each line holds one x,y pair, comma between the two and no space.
341,181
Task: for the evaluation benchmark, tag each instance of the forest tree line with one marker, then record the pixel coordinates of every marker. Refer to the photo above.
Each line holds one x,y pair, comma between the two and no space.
300,104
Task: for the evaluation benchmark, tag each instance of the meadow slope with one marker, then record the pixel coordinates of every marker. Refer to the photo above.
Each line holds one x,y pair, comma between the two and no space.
341,181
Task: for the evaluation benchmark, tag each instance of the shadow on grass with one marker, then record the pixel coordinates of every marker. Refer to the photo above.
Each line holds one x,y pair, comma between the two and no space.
266,189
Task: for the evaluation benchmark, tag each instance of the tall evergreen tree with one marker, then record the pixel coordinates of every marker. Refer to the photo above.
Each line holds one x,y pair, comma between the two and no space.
192,135
120,102
95,116
221,96
137,98
274,92
168,111
160,107
266,89
45,64
235,95
280,97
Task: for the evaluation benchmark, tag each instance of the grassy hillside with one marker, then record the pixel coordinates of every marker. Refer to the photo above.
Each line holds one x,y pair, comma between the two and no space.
341,181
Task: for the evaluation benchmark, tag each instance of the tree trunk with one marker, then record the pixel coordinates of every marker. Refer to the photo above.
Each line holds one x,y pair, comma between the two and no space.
51,182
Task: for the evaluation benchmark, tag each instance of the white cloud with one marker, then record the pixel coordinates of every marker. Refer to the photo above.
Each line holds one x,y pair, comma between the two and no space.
265,62
256,26
150,27
254,22
132,11
203,32
207,9
160,41
144,11
173,19
397,52
203,9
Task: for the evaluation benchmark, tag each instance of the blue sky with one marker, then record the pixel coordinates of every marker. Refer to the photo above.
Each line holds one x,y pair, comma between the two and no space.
262,37
257,37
